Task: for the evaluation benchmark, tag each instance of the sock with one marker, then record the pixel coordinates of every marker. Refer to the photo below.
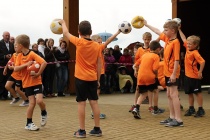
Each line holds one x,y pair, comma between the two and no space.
29,120
155,108
81,130
137,106
96,128
200,108
191,107
43,112
27,100
17,98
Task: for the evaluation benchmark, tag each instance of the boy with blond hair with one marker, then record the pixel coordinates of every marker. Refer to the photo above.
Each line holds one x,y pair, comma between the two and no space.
87,74
32,82
193,76
171,69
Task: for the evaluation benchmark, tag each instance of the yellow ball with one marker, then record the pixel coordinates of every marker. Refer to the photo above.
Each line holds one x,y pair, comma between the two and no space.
137,22
55,27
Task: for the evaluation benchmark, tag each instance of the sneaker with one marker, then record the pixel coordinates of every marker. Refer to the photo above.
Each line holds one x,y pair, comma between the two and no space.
131,109
95,133
43,120
174,123
151,109
15,100
166,121
24,103
159,111
189,112
102,116
80,134
31,127
136,113
200,113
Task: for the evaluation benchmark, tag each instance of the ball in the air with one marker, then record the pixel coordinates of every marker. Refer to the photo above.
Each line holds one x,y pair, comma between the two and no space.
178,20
33,67
137,22
55,27
125,27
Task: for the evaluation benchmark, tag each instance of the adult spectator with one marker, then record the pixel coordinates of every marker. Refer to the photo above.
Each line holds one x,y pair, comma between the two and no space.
12,40
6,51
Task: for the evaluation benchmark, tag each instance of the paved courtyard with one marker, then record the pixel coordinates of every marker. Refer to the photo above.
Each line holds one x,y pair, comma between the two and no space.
119,124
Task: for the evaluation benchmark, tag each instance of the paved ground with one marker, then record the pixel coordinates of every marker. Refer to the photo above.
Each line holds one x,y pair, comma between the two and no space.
119,124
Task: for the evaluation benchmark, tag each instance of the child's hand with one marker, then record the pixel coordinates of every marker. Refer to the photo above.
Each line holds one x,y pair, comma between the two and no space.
200,76
5,72
145,22
61,21
34,74
29,63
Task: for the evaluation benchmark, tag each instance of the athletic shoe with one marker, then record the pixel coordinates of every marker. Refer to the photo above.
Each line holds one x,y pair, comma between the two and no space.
96,133
102,116
136,113
31,127
151,109
174,123
43,120
189,112
200,113
166,121
15,100
80,134
24,103
159,111
131,109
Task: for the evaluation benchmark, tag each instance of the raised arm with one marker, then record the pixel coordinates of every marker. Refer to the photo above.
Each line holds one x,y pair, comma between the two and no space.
65,29
154,29
183,37
110,39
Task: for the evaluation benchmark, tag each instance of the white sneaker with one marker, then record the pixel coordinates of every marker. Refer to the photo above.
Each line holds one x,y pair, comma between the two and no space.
24,103
14,101
31,127
43,120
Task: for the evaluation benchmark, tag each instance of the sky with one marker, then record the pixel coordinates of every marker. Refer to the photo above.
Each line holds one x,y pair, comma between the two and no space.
33,17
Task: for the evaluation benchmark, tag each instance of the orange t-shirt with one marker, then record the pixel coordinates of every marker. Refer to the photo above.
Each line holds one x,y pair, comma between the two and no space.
161,76
140,52
171,54
87,53
27,79
15,74
149,63
192,59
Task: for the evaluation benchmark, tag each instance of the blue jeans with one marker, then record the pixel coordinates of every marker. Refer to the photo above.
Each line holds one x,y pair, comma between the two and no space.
62,78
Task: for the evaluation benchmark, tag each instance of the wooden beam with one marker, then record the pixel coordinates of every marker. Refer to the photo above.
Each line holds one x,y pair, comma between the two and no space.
71,17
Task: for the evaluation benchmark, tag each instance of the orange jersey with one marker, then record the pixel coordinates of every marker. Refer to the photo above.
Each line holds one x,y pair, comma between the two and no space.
192,59
149,63
15,74
161,76
87,53
27,79
140,52
171,54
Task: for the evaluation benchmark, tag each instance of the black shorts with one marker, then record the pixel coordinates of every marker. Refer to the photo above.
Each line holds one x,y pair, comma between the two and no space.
168,82
86,90
18,83
146,88
192,85
33,90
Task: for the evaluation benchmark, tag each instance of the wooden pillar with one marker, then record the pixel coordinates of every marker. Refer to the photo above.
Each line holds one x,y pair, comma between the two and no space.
71,17
174,8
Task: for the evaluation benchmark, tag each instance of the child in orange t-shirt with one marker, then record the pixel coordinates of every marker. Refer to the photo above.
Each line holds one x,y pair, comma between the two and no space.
32,82
16,78
87,73
193,76
147,74
171,69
